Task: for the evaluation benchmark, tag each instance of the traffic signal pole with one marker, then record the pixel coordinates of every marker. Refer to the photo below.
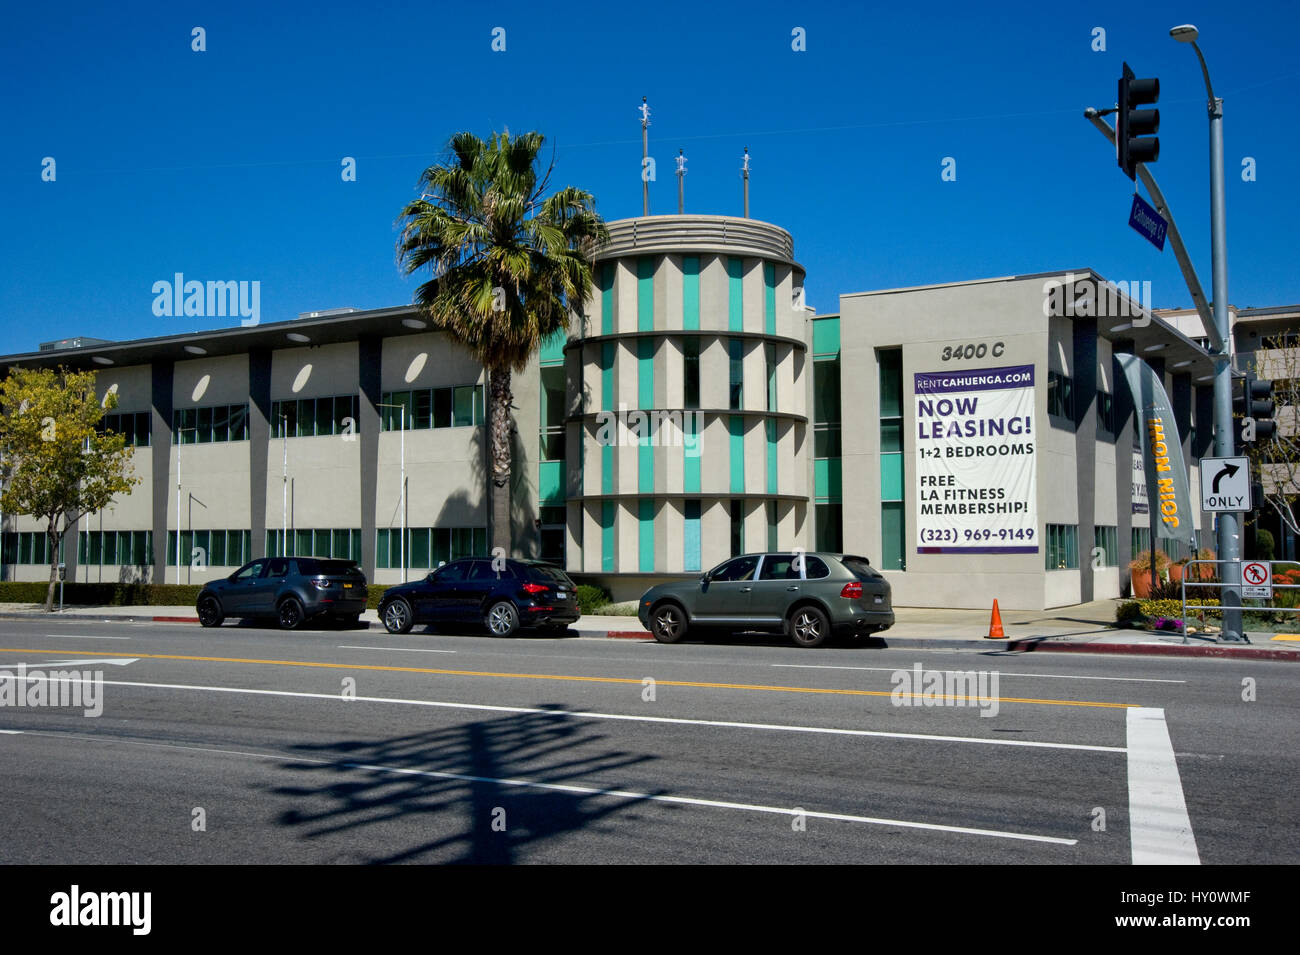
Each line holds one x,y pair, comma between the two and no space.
1228,523
1132,153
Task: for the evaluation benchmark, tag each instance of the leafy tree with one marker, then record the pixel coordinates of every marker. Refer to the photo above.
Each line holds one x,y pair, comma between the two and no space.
56,466
509,262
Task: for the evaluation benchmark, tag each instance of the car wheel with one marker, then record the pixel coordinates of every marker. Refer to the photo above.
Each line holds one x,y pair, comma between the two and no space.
290,614
502,619
809,627
668,623
210,614
398,617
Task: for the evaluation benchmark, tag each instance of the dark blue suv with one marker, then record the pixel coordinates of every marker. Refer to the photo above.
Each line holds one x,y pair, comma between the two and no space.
288,589
503,595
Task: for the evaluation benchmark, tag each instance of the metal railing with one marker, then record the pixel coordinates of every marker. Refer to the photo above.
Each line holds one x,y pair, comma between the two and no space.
1232,571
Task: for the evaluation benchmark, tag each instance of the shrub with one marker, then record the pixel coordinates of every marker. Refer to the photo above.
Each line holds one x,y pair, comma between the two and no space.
1169,590
1142,562
106,594
1263,545
1128,612
591,598
1152,609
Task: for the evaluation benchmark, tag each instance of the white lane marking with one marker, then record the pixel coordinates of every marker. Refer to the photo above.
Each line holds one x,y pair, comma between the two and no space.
1159,828
614,793
116,662
399,649
1046,676
76,636
12,732
583,714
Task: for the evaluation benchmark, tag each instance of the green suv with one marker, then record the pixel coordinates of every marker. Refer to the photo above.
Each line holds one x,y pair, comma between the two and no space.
806,596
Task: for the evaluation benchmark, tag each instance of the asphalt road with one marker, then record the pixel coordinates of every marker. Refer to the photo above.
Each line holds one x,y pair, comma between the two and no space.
247,744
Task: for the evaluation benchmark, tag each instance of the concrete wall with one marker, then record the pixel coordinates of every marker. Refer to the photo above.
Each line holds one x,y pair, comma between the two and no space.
923,322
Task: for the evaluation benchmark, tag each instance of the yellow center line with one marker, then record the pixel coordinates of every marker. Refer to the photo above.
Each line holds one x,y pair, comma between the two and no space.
573,678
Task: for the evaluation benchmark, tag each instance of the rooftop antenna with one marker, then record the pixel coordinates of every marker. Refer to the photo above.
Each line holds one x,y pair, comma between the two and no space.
645,152
745,171
681,181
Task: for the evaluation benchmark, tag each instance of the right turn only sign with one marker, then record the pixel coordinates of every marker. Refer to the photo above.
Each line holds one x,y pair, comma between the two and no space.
1225,484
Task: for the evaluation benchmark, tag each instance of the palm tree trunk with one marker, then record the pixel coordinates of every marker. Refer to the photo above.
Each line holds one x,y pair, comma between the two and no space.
499,422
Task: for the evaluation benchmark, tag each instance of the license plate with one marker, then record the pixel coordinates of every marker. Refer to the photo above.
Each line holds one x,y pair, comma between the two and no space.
879,599
347,586
561,595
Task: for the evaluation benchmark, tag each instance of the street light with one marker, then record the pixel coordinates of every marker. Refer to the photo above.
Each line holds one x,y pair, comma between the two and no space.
179,441
1223,438
401,494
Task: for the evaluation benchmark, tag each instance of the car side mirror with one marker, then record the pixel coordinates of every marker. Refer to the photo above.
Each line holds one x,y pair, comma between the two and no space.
705,578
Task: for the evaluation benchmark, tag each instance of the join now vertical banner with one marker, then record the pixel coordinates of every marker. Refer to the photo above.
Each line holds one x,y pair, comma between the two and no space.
1162,451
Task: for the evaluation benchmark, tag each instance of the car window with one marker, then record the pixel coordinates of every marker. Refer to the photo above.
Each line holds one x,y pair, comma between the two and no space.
329,568
815,568
742,568
482,570
859,567
450,573
277,567
779,567
551,573
251,571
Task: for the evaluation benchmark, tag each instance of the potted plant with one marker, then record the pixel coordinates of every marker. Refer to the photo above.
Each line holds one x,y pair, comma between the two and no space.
1140,572
1204,571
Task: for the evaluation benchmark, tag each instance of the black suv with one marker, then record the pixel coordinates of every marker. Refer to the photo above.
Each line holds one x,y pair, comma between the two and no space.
501,594
288,589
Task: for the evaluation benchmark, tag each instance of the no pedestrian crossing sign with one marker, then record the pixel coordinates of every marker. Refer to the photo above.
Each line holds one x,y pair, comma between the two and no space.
1225,484
1257,579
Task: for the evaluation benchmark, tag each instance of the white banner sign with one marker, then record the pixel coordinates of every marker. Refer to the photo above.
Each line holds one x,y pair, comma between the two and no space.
975,454
1139,484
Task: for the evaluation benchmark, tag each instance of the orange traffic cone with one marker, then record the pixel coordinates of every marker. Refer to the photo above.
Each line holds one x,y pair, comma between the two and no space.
995,624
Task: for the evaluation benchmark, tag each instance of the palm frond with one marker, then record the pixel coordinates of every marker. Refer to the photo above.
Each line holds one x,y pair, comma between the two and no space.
508,258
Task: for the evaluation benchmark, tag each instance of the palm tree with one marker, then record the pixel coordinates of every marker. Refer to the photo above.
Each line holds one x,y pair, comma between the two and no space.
508,260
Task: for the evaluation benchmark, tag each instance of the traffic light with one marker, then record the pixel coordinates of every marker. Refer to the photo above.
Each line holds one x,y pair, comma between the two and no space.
1253,401
1131,123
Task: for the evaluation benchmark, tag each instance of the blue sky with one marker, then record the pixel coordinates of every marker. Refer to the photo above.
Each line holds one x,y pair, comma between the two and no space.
225,164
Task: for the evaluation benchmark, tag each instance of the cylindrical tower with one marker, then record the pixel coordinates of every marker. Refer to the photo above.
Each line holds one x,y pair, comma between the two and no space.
688,434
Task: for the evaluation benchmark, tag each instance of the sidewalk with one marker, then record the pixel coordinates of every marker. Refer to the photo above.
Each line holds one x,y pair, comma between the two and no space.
1084,628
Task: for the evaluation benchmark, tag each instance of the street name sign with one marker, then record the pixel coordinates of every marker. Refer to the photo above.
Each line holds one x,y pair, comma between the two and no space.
1225,484
1148,223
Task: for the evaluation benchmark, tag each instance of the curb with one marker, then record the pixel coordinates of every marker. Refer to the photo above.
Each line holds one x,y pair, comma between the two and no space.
621,634
1161,650
1030,645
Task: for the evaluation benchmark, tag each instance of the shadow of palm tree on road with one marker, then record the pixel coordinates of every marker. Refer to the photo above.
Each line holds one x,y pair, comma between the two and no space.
452,783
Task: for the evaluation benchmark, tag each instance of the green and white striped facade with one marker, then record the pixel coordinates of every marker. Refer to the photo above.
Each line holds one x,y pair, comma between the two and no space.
695,330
